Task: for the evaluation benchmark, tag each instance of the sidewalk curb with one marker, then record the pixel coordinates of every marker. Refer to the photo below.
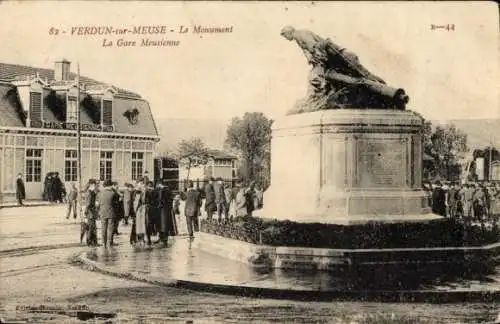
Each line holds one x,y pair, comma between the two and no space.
417,296
29,205
8,252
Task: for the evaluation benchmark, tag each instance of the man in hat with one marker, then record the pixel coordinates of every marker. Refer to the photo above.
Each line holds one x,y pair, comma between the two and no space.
210,206
192,209
107,198
220,199
439,199
20,190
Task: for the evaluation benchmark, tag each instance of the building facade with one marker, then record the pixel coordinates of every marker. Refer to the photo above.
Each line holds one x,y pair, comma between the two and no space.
38,115
219,165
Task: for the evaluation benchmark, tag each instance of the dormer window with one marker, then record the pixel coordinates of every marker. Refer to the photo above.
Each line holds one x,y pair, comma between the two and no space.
107,112
71,110
35,111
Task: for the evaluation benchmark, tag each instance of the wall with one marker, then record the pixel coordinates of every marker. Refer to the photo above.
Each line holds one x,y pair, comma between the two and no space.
13,158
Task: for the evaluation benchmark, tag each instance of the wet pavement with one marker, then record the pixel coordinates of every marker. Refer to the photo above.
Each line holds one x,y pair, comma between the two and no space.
46,277
183,259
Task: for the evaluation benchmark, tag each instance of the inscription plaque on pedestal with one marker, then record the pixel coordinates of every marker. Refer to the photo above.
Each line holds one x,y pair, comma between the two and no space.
380,164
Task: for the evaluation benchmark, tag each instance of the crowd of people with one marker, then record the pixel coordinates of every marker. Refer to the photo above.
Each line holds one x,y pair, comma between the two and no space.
470,201
152,209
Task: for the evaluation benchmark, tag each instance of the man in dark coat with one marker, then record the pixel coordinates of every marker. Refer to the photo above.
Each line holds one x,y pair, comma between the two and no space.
59,191
166,222
192,209
220,199
452,201
49,187
88,225
20,190
150,202
439,200
117,208
106,198
210,206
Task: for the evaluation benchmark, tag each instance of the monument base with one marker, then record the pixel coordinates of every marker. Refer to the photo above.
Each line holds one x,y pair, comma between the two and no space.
307,258
347,166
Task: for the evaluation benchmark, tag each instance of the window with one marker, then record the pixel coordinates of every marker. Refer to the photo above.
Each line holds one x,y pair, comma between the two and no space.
33,165
107,112
137,164
106,165
70,165
35,106
71,110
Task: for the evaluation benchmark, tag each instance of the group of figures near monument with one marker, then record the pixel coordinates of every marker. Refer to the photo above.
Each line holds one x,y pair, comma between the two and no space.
468,201
338,80
150,208
155,210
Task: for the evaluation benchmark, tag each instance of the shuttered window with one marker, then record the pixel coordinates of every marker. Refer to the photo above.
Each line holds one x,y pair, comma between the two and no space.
71,112
35,106
107,112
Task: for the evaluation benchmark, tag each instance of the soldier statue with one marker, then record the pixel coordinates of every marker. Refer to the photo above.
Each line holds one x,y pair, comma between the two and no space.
338,80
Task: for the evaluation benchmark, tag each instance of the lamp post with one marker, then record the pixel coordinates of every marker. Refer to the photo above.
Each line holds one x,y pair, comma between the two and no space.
490,160
79,144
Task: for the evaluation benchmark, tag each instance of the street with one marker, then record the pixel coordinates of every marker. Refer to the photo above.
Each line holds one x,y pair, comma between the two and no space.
37,246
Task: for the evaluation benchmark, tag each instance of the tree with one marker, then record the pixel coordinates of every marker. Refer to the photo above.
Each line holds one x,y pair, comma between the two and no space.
250,136
447,145
192,153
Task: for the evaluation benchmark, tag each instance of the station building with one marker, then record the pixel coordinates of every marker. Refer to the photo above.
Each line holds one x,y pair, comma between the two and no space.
38,115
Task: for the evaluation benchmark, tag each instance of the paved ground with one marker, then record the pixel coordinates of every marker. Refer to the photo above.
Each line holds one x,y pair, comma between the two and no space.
30,277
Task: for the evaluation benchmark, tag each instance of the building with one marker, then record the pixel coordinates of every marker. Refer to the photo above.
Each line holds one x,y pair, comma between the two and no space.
38,109
220,165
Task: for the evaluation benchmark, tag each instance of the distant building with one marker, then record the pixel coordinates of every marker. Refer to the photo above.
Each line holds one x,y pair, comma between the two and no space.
38,109
220,165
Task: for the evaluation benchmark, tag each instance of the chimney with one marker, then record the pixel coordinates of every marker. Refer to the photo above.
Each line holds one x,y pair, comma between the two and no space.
61,70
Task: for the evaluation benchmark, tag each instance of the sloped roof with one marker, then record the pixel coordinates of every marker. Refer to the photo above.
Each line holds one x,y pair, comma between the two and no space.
10,108
13,72
218,154
54,102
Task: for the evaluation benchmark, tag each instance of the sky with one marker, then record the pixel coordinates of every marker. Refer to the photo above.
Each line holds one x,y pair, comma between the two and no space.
447,74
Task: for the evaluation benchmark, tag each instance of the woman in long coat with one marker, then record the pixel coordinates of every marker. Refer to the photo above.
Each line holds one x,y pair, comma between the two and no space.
140,212
168,224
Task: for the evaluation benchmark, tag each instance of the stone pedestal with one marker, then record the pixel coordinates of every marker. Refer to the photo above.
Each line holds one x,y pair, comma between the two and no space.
347,166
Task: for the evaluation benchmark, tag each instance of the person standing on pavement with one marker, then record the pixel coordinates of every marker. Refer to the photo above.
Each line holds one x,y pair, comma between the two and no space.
210,206
72,201
89,218
149,202
220,199
167,222
117,208
20,190
106,198
439,200
59,191
127,202
192,209
139,227
478,203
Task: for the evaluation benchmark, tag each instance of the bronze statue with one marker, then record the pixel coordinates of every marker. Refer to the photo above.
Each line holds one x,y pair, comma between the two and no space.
338,80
